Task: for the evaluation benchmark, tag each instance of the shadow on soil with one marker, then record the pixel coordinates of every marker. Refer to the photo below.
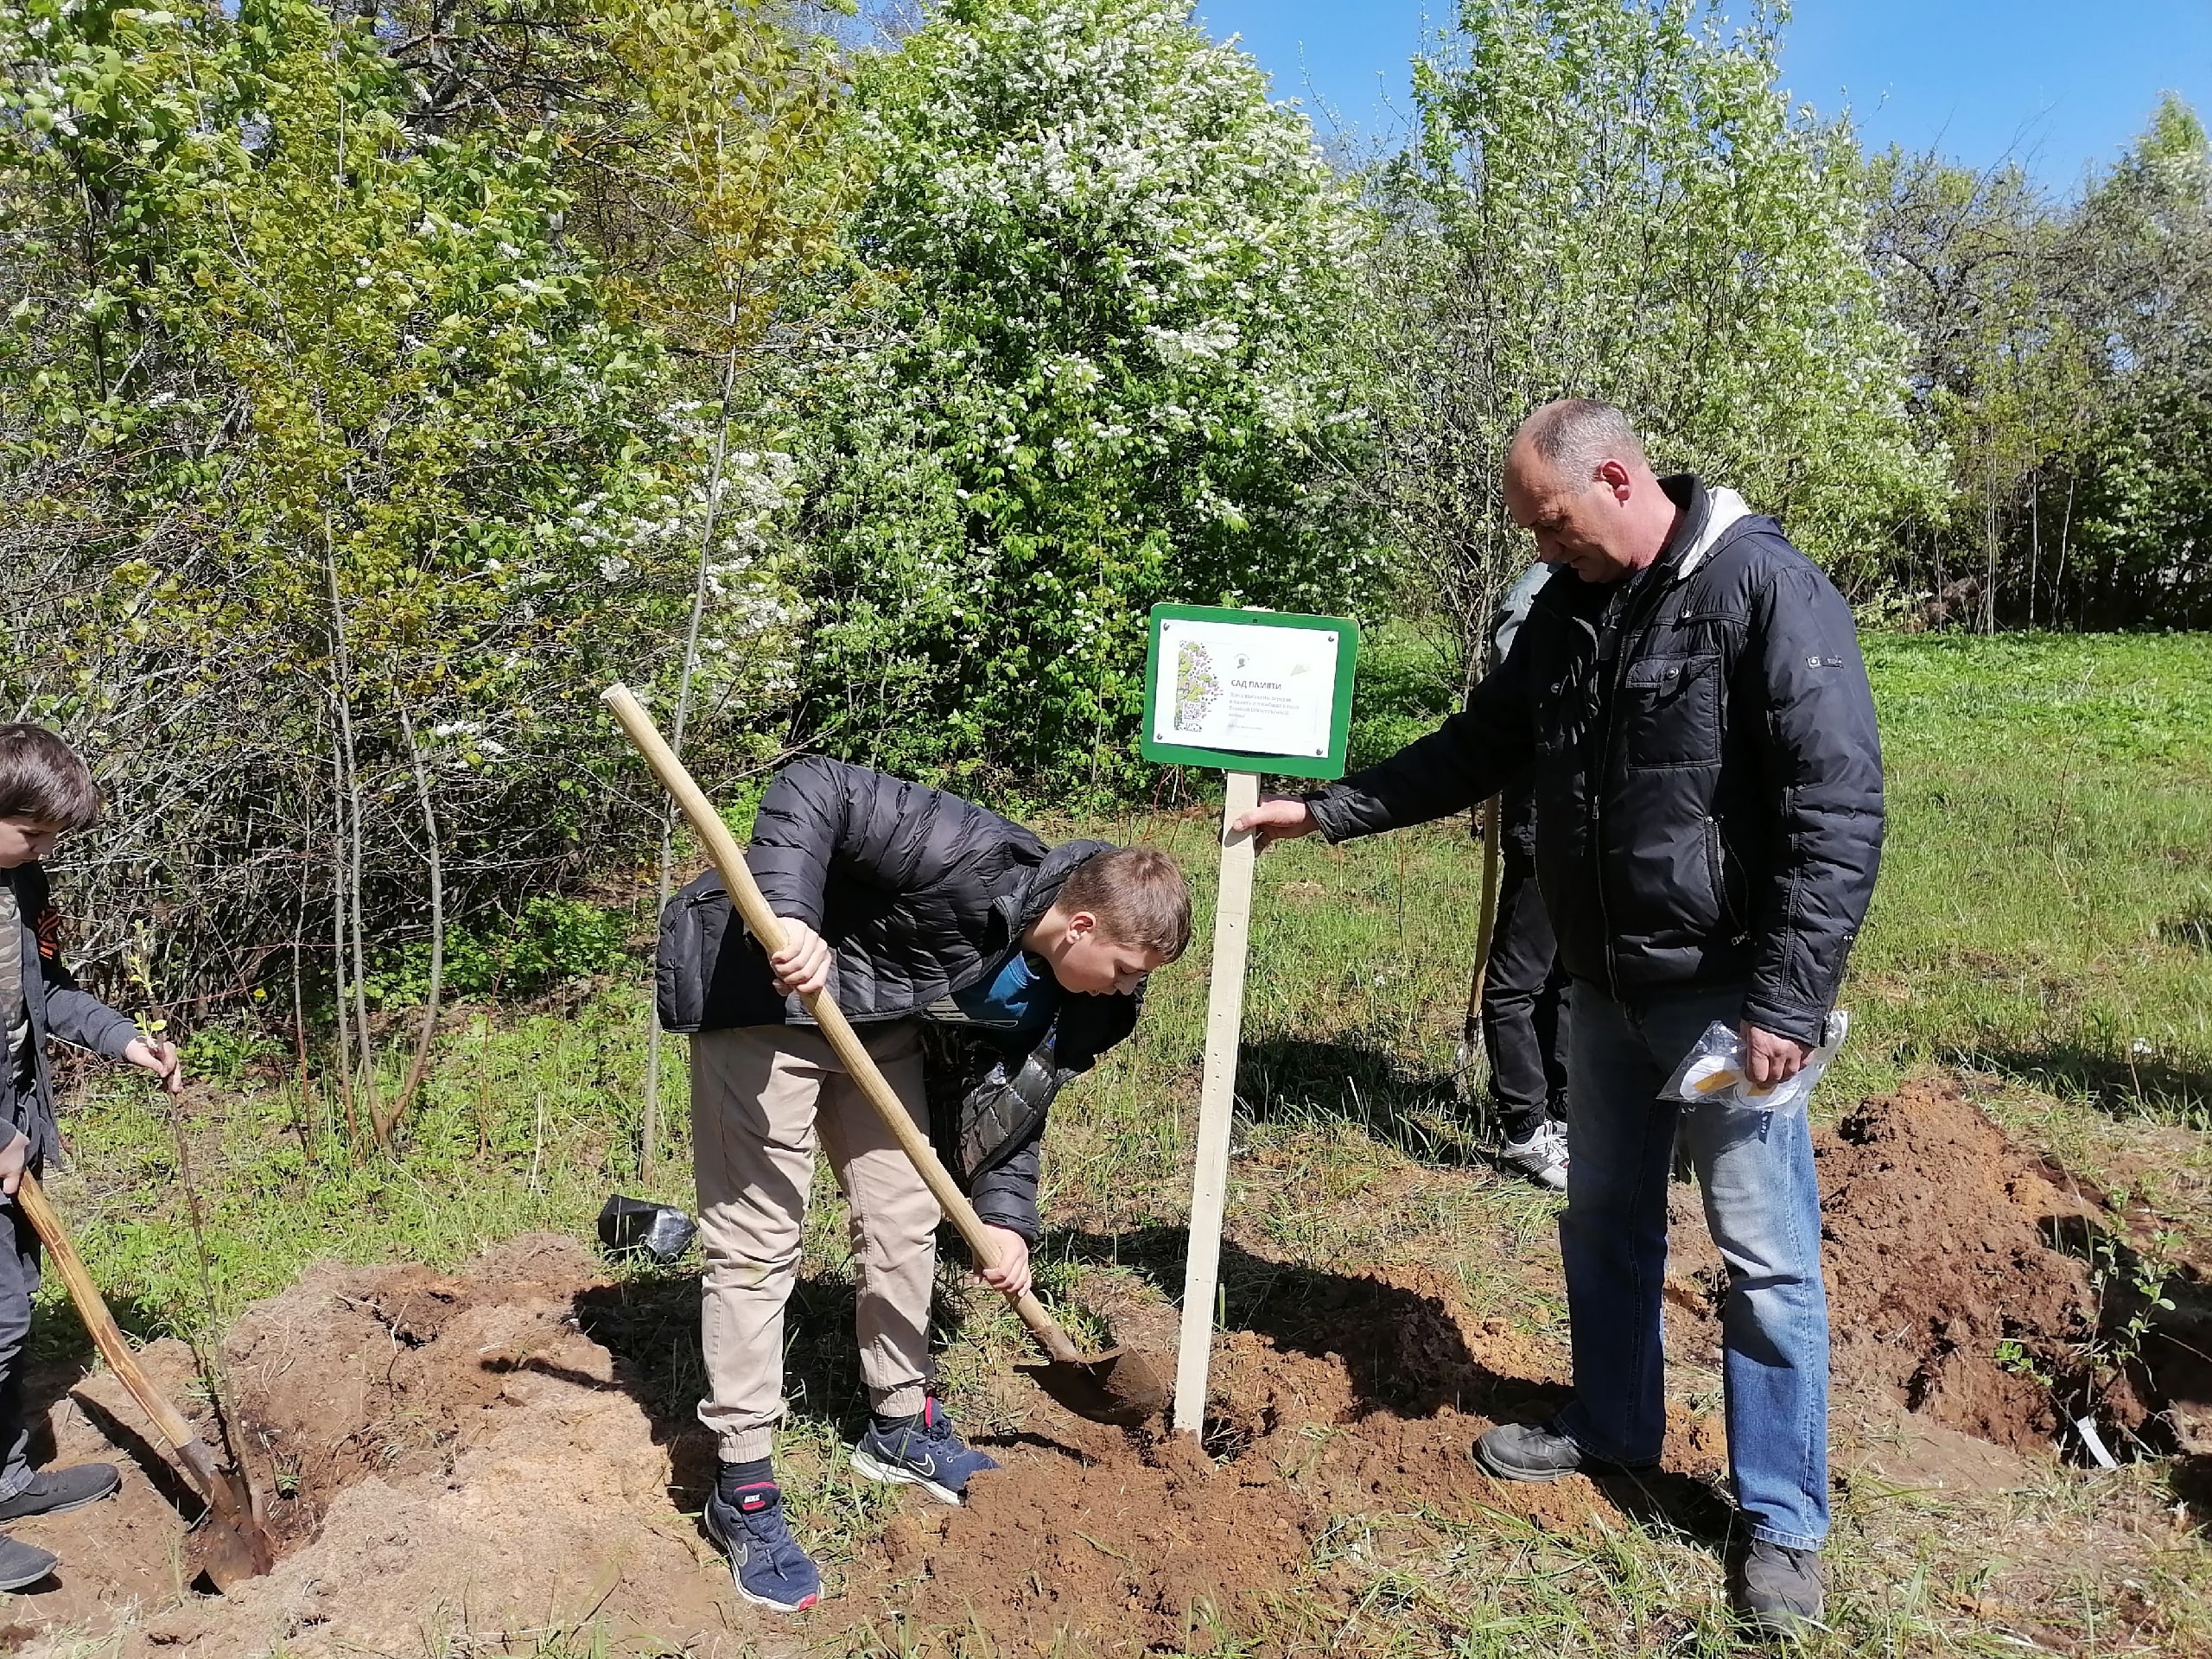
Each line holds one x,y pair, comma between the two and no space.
1401,1348
60,1355
1403,1351
650,1323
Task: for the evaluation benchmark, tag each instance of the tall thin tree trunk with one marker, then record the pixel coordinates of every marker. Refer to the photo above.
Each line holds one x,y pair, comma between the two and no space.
649,1146
421,1064
1989,544
299,1016
337,987
2035,540
2065,532
353,801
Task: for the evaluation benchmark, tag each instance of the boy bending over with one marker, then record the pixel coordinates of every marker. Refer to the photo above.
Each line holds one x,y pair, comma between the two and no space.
935,924
45,793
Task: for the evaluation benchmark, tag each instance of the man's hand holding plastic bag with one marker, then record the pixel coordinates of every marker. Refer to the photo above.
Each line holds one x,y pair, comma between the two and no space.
1719,1068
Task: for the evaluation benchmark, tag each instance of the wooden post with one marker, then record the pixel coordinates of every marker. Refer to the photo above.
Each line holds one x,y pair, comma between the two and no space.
1232,926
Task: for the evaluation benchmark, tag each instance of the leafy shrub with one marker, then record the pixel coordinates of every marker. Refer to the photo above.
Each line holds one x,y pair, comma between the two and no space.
222,1054
549,941
1406,686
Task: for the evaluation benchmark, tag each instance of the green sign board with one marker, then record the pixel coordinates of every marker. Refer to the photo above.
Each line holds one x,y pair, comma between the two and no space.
1248,690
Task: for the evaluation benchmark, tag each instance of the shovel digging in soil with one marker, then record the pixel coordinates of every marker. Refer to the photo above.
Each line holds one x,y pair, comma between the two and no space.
234,1545
1114,1387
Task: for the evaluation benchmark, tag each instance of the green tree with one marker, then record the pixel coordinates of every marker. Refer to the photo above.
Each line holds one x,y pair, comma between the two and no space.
1615,201
1098,371
2059,353
2143,547
339,474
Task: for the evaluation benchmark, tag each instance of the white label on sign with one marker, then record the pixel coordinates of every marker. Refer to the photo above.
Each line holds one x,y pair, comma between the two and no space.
1236,685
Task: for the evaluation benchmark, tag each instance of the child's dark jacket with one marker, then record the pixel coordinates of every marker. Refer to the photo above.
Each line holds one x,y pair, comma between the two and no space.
56,1006
920,896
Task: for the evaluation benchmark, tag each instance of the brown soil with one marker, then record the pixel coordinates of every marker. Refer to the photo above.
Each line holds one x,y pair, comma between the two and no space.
451,1461
1943,1239
1366,1397
1120,1545
485,1459
455,1461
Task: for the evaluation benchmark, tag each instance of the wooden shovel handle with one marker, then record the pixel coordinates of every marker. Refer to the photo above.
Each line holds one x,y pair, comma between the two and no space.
107,1336
767,927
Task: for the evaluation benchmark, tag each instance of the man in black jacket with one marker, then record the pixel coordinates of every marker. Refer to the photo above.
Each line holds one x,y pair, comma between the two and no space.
918,910
1688,703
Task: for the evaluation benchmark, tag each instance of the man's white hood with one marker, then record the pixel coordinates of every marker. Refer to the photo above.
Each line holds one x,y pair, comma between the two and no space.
1723,507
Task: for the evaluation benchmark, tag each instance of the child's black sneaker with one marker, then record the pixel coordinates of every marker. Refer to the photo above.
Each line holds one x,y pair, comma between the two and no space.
766,1561
922,1452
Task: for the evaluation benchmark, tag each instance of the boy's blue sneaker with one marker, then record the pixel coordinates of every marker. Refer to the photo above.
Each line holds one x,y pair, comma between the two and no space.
923,1452
765,1559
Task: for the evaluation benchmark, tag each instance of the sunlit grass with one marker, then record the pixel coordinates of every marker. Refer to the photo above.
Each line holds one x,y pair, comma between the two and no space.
2045,917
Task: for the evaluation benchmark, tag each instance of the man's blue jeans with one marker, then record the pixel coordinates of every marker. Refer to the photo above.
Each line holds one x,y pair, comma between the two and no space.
1763,1204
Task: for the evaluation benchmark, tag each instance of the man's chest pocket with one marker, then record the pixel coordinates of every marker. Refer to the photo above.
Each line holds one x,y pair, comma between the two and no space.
1670,712
1564,714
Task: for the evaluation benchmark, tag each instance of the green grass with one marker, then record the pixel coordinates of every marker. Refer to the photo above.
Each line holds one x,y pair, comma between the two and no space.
2045,906
2044,918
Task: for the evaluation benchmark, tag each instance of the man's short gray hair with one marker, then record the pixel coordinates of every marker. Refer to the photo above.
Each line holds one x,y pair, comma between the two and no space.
1576,436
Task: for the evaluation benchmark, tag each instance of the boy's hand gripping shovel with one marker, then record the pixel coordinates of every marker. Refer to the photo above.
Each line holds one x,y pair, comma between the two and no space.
1109,1388
235,1545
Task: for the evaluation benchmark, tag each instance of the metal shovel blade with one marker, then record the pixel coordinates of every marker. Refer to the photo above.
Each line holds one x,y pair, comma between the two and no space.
229,1542
1118,1387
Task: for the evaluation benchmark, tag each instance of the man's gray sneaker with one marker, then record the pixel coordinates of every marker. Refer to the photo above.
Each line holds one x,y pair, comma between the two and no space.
1542,1157
1778,1589
57,1491
24,1564
1524,1452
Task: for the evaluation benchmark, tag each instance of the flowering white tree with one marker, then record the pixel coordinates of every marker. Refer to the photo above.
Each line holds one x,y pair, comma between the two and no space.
1101,364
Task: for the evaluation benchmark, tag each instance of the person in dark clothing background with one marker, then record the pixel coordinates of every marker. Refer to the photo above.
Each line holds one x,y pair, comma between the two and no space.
1687,702
1524,1001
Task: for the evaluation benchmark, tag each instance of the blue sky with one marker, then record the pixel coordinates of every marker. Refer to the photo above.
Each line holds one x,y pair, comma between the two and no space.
2061,83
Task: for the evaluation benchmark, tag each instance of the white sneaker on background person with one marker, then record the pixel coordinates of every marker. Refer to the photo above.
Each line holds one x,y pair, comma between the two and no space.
1542,1157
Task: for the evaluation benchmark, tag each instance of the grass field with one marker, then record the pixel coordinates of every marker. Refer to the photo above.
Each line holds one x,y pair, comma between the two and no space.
2043,924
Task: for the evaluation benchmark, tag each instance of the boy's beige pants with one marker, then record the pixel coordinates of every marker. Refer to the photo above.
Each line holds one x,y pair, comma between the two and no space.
761,1098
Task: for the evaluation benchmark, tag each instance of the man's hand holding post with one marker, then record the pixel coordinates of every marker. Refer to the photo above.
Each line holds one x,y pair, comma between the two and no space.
1280,818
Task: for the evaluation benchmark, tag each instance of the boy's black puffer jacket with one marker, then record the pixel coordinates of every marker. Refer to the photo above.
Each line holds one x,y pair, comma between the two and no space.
57,1006
1705,764
918,892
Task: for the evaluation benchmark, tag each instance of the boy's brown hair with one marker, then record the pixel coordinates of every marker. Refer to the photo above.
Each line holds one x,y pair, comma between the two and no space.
1139,896
43,778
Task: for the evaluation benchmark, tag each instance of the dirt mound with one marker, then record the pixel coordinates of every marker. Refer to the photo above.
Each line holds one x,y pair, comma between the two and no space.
1978,1286
481,1461
448,1458
1363,1397
1939,1233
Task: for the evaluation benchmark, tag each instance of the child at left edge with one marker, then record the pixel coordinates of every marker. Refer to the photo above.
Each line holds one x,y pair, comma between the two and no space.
45,791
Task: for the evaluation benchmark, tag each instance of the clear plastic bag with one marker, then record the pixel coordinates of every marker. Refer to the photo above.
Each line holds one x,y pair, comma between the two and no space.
1712,1072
